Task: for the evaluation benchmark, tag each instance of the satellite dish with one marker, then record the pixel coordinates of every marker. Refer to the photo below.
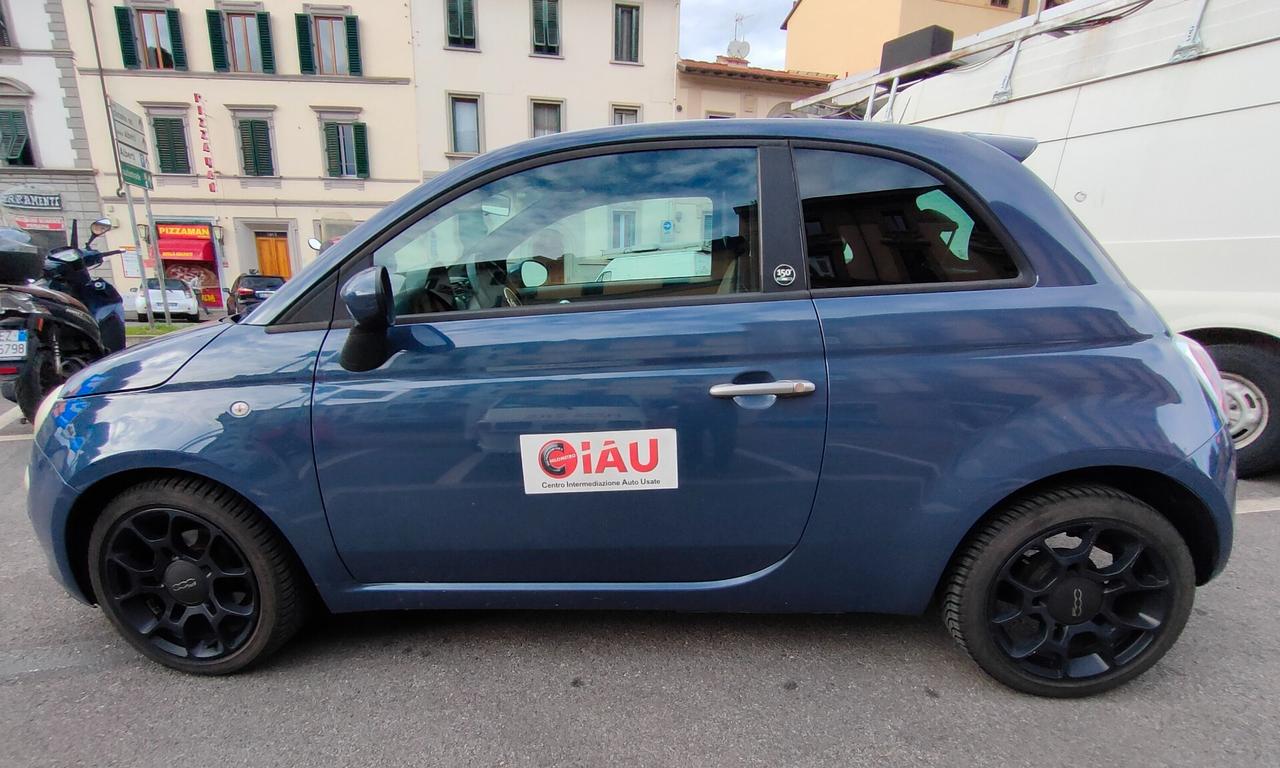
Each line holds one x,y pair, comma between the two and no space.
739,49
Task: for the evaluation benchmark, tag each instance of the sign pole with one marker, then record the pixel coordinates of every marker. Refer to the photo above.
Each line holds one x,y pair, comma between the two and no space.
142,262
155,245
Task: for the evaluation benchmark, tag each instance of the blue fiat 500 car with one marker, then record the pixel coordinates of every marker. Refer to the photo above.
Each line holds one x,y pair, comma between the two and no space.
788,365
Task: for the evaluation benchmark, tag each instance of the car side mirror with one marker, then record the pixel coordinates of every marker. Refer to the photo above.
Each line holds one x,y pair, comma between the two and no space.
315,244
371,304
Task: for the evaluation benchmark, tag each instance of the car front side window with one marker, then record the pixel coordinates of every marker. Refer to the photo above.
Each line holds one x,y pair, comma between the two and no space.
657,223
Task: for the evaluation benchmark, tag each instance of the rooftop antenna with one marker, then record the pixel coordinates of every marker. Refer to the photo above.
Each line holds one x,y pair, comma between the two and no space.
738,47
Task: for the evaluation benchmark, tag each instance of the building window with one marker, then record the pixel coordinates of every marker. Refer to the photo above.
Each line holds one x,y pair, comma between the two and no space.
171,144
328,45
461,23
547,117
626,33
242,39
546,27
464,117
241,42
346,147
5,40
255,147
626,115
622,229
719,115
150,39
1000,3
15,139
331,45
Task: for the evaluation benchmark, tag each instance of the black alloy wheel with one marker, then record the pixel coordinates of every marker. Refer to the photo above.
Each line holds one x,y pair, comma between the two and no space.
179,581
1071,592
1080,600
192,576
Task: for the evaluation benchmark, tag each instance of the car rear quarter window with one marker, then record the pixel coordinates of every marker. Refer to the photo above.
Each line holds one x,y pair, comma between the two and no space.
638,224
871,221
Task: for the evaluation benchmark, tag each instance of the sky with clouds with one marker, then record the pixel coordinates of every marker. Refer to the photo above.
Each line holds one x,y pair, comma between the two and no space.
706,27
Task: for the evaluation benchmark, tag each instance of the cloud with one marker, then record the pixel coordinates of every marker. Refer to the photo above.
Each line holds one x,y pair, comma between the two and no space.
706,27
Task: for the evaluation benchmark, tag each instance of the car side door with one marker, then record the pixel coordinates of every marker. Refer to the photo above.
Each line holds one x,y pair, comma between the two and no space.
541,421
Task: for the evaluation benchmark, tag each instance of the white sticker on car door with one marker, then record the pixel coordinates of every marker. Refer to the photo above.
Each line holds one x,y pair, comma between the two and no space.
581,462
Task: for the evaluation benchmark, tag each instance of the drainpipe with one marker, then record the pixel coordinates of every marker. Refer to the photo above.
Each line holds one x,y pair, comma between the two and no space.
106,100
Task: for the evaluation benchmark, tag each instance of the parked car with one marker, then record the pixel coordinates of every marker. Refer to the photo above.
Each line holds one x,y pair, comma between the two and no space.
908,376
183,304
249,290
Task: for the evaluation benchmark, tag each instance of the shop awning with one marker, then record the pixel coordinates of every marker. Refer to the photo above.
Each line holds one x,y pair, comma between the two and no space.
179,249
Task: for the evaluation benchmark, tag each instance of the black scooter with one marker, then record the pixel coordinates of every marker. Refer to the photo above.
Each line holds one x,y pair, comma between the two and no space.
55,318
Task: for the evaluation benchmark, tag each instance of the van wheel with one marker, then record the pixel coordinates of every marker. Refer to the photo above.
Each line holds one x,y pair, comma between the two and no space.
1070,592
193,578
1251,376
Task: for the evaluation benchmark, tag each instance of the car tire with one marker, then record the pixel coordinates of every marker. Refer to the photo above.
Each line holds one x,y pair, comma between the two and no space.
193,577
1251,375
1050,619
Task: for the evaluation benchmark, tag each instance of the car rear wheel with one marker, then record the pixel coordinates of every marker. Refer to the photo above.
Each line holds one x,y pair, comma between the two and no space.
1071,592
1251,378
193,578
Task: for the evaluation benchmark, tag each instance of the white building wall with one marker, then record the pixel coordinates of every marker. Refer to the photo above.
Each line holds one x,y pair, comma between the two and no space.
506,75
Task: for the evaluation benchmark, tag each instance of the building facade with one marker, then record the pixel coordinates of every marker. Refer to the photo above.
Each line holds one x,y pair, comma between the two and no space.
46,172
268,122
845,37
731,87
493,72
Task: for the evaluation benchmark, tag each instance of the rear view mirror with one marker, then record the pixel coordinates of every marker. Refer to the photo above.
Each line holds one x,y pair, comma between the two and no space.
371,304
533,274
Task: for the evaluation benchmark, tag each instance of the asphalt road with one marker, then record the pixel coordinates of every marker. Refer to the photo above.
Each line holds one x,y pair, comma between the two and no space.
602,689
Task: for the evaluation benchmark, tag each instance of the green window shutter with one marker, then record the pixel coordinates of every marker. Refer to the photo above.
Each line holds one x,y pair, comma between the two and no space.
461,17
171,144
262,148
354,67
217,40
453,21
245,128
175,36
264,43
360,133
553,24
332,150
128,45
306,53
546,27
13,135
539,25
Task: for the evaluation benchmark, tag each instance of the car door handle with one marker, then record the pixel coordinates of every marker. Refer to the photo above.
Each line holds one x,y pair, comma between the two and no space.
783,388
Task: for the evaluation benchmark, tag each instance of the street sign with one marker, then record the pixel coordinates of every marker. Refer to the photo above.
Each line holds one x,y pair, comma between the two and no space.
129,128
131,147
135,176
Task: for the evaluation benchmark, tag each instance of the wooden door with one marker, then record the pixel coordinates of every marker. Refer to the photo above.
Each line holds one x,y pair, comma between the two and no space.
273,254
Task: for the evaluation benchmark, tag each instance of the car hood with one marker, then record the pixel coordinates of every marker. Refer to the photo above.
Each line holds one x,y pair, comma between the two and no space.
149,364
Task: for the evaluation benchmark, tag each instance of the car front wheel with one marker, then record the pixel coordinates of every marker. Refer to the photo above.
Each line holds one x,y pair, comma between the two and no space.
192,577
1070,592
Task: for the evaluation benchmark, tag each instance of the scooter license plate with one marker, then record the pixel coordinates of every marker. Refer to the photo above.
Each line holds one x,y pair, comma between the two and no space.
13,345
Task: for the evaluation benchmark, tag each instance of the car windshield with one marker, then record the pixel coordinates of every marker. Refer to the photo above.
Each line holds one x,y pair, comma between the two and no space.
261,282
171,284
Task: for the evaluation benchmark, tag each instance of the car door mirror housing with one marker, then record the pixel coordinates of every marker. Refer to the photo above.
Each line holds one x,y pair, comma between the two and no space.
369,299
371,304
